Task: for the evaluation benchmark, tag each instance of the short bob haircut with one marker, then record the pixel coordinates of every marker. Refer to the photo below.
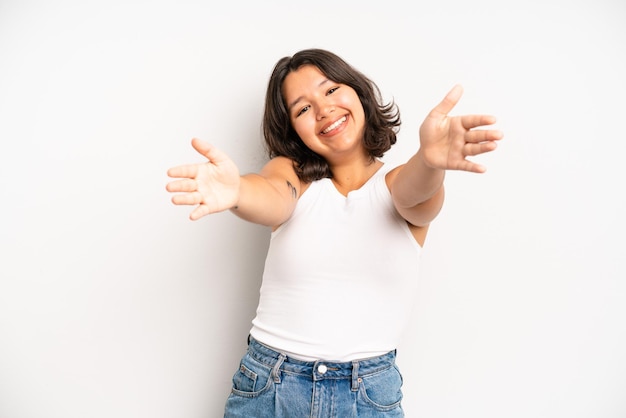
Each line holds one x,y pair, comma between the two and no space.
382,121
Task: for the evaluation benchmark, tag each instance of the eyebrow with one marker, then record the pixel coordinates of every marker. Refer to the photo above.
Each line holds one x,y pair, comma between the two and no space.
295,102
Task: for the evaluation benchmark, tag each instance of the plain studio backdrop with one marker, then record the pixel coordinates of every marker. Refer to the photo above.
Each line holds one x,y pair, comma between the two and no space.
114,304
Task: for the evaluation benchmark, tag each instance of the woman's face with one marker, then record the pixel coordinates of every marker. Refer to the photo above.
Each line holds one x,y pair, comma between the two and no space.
328,116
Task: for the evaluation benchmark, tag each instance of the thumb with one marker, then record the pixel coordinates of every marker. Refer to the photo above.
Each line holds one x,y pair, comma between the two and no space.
211,153
448,102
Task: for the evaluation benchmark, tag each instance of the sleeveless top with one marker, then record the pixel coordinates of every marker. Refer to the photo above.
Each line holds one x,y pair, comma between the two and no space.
340,275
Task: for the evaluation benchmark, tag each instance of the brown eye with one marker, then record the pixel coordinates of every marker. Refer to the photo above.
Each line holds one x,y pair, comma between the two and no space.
304,109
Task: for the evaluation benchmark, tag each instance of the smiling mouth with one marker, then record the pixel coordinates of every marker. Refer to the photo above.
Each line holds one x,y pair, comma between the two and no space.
335,125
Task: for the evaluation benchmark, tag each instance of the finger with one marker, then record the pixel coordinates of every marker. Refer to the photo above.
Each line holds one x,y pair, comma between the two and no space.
183,171
448,102
193,198
199,212
474,121
481,148
211,153
186,185
472,167
482,135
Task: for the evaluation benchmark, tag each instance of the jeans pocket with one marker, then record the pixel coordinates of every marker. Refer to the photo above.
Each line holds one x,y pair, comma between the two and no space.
252,378
382,391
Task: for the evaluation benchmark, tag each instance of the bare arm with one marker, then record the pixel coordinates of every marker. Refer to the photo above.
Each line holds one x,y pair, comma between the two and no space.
445,142
267,198
417,191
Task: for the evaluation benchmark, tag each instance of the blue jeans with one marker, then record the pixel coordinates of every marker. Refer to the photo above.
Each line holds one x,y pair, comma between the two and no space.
270,384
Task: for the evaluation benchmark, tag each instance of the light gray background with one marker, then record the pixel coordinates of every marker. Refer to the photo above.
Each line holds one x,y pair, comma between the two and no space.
114,304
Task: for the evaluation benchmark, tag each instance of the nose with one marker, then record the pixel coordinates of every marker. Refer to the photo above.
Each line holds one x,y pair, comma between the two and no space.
324,110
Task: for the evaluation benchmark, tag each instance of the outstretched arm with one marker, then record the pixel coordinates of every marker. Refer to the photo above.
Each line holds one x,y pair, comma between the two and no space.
267,198
445,143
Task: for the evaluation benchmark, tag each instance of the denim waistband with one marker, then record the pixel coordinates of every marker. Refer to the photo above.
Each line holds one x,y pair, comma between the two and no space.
319,369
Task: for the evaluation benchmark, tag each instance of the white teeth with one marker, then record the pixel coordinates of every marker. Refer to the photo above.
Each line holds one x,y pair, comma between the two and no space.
334,125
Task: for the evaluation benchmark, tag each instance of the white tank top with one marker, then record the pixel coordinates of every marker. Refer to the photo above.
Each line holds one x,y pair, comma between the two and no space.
340,275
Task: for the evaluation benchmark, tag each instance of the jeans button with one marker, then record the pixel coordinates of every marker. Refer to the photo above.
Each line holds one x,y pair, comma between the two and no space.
321,369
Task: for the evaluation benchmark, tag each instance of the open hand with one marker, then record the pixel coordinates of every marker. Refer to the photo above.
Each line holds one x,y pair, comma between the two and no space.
213,186
446,141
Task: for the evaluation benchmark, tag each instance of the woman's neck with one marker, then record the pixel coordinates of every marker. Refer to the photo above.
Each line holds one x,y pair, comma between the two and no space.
353,176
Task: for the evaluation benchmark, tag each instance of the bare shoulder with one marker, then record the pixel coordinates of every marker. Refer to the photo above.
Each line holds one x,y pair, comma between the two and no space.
392,174
278,163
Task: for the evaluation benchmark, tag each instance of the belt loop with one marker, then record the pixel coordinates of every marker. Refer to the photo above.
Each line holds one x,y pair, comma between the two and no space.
276,368
355,376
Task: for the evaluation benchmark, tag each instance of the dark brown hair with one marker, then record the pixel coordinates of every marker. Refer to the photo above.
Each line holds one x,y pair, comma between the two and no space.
382,121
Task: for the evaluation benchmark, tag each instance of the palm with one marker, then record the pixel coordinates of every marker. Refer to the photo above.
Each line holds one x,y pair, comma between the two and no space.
213,186
218,184
446,141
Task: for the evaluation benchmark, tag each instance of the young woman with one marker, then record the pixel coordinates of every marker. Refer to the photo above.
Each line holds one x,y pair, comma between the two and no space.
347,232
